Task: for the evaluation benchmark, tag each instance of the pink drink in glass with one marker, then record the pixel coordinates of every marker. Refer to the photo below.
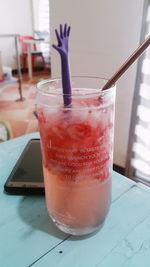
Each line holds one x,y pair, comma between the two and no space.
77,145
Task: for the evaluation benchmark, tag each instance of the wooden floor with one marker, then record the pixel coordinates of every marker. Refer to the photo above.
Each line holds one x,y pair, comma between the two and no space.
37,76
16,115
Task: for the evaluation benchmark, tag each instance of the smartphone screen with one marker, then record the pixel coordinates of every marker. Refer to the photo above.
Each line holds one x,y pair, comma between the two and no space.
27,175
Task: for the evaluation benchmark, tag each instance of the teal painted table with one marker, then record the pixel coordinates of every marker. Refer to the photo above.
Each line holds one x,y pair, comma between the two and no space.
29,238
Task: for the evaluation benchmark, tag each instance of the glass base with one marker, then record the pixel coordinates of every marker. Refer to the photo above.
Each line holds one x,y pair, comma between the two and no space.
77,231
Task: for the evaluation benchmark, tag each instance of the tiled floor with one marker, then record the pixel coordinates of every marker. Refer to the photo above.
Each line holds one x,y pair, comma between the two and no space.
18,116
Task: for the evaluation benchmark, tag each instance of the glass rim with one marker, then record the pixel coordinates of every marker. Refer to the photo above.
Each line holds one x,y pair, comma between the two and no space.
99,90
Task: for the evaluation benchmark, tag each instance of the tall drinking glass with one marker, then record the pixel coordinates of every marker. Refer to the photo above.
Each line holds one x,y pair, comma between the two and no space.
77,146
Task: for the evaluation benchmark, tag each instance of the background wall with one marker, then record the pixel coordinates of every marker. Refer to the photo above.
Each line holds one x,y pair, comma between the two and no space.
104,33
15,18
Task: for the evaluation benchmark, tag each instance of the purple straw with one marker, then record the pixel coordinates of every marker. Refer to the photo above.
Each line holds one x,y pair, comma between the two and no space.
62,48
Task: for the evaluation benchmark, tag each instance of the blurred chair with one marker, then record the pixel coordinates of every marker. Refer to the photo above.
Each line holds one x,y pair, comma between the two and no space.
34,52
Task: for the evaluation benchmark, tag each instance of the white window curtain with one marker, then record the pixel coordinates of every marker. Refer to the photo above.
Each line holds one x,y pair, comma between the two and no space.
138,164
44,26
44,15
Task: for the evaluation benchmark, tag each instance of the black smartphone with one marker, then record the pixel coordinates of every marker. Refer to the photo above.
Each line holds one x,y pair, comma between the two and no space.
27,175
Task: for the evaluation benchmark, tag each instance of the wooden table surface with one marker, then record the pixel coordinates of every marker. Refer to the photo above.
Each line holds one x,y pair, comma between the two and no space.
29,238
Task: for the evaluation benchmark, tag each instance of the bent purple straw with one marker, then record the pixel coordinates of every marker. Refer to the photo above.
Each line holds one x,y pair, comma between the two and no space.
62,48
